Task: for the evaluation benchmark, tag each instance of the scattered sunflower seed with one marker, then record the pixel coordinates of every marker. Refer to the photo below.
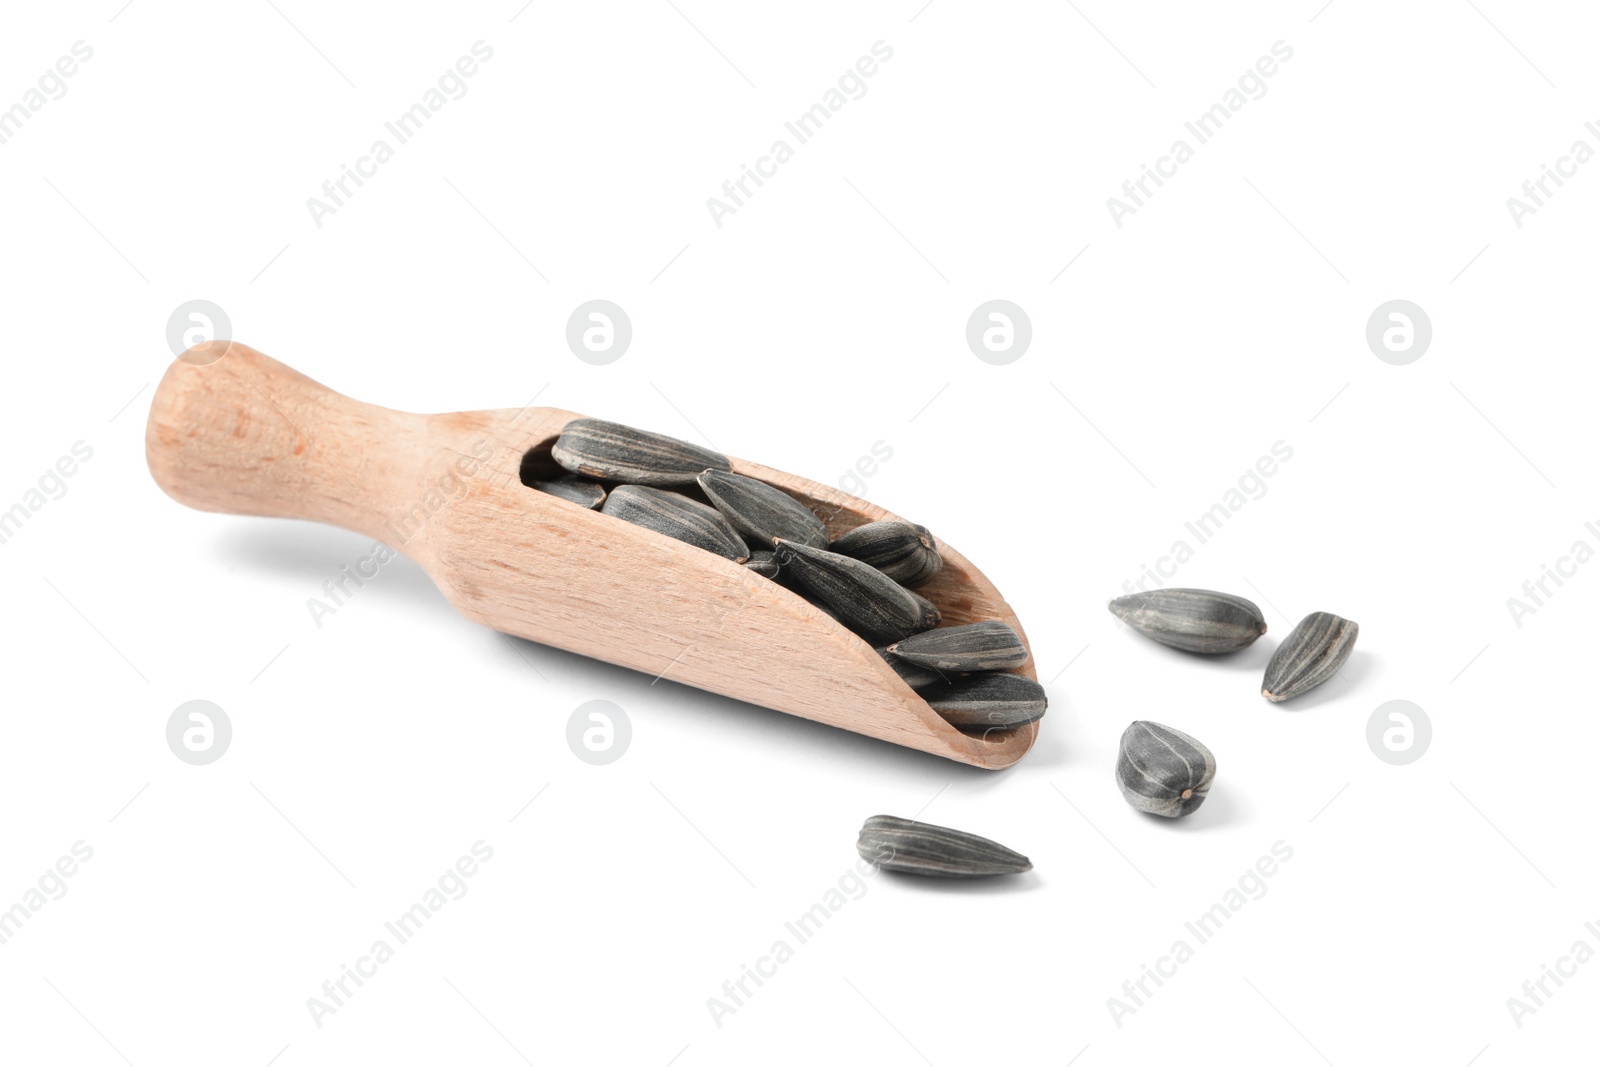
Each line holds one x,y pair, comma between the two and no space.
895,844
578,490
610,450
977,646
763,563
914,675
1163,771
762,512
987,701
1195,620
676,516
863,598
1309,656
904,551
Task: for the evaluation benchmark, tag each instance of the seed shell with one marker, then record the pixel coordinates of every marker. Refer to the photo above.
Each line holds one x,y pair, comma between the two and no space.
987,701
1195,620
914,675
580,491
990,645
863,598
763,563
904,551
609,450
1309,656
676,516
895,844
764,513
1163,771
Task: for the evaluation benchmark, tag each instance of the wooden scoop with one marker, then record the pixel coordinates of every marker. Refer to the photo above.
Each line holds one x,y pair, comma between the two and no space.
236,431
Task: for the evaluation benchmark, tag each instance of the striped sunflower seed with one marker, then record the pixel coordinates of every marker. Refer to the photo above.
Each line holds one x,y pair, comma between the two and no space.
763,563
863,598
829,612
619,453
904,551
1163,771
987,701
914,675
578,490
894,844
1311,654
676,516
977,646
1195,620
764,513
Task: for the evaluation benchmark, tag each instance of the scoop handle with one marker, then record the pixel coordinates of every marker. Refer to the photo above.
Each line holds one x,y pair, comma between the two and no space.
233,430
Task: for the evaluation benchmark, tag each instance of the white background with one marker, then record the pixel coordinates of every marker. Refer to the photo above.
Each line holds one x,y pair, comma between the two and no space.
826,315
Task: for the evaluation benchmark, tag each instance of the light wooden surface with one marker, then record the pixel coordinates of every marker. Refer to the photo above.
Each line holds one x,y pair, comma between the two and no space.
245,434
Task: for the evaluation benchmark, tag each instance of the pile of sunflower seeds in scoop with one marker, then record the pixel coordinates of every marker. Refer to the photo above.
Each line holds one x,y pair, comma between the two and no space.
865,578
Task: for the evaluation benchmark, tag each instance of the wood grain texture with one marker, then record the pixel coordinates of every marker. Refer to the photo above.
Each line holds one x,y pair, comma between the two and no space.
248,435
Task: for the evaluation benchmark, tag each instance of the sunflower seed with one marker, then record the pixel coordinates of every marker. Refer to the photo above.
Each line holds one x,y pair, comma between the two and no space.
987,701
863,598
1195,620
1163,771
1309,656
676,516
829,612
904,551
764,513
619,453
895,844
977,646
763,563
578,490
914,675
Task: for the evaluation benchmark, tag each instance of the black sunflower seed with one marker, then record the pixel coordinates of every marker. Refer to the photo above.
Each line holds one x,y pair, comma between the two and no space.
895,844
1163,771
914,675
764,513
1311,654
618,453
676,516
1195,620
904,551
580,491
979,646
763,563
987,701
863,598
